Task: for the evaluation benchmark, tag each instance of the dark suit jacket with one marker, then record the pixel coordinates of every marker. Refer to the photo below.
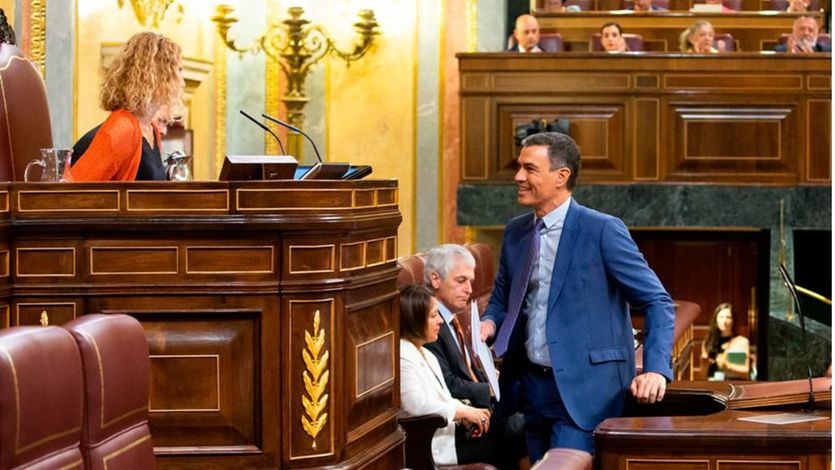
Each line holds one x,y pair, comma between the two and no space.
597,271
818,48
456,375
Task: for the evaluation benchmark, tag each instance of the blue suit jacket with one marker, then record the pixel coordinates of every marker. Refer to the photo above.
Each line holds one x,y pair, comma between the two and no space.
597,271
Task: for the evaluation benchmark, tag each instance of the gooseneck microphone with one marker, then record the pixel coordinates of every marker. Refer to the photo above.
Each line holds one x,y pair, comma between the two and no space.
784,273
294,129
262,126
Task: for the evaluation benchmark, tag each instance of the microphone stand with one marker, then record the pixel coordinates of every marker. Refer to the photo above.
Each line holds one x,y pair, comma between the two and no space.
784,273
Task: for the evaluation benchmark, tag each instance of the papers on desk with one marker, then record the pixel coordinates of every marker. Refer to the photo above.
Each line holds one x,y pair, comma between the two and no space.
783,418
482,351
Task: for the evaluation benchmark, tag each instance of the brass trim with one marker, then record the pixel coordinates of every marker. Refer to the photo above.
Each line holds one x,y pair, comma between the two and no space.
102,191
808,140
701,77
5,193
362,256
174,209
393,241
395,192
121,451
357,393
77,464
657,155
104,248
268,190
233,247
382,251
44,248
663,461
757,461
373,192
823,88
104,424
779,123
332,302
315,271
29,304
5,266
189,356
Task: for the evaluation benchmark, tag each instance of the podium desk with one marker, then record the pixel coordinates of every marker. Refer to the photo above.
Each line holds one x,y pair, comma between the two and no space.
752,30
270,308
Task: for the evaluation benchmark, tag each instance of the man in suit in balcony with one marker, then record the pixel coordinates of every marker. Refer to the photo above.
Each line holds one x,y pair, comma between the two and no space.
560,307
526,35
449,271
804,38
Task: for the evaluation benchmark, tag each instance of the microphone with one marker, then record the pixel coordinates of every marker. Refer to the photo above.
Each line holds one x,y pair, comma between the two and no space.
296,130
262,126
784,273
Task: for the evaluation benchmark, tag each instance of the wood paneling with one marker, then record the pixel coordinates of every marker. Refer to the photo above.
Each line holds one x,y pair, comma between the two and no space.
227,297
737,119
752,31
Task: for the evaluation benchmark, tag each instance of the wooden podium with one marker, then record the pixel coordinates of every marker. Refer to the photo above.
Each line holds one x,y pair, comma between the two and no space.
270,308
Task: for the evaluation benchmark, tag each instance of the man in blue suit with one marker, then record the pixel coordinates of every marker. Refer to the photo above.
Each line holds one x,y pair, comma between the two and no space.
559,308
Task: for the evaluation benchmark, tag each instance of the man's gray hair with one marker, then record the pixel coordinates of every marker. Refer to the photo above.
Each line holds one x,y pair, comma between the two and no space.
442,258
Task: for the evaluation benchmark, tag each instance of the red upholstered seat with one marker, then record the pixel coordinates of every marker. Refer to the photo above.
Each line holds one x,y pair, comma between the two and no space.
411,270
114,354
548,42
40,399
634,42
732,4
782,5
24,115
665,4
727,39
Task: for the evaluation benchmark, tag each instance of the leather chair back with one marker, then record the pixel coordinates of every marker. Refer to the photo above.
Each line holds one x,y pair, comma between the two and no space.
727,39
114,354
484,274
411,270
551,42
634,42
25,126
41,399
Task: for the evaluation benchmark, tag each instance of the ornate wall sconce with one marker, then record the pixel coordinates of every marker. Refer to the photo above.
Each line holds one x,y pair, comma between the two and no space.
151,12
296,46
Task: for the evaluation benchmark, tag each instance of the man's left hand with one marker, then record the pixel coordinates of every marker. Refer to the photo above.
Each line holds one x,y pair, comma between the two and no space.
648,387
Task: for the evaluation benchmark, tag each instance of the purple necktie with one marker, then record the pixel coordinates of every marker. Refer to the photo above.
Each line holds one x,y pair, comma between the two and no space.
518,290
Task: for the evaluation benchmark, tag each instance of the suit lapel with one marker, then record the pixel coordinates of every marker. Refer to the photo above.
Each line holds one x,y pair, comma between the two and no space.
568,239
520,249
450,345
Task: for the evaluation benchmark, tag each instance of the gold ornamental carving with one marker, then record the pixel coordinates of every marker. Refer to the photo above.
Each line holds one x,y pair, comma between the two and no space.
44,320
151,12
315,377
37,34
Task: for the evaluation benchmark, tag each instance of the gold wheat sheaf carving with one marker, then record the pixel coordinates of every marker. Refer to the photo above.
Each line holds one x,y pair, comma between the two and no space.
315,378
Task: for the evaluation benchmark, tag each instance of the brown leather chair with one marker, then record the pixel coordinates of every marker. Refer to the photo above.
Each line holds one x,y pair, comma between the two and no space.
418,448
634,42
114,354
727,39
25,126
41,399
485,274
411,270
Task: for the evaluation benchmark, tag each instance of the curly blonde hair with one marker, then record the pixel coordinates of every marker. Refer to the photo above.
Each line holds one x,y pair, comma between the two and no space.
144,76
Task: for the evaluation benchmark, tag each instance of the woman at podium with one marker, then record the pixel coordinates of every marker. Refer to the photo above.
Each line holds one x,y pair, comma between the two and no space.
143,85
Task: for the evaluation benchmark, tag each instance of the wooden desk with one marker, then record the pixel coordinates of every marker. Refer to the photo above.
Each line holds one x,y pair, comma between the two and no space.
719,441
753,31
745,118
229,279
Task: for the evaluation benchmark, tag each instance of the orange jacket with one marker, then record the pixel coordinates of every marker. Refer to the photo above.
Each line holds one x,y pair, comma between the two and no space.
115,151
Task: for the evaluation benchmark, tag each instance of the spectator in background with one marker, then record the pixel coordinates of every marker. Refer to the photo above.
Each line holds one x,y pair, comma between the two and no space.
558,6
644,5
526,34
804,38
719,2
611,38
727,353
698,38
798,6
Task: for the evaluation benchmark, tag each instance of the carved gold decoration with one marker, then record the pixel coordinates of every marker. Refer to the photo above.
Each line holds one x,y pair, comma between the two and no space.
471,9
315,379
296,46
151,12
44,321
37,34
272,92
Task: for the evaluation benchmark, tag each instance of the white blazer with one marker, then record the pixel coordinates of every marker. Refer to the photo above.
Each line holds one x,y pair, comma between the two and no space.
423,391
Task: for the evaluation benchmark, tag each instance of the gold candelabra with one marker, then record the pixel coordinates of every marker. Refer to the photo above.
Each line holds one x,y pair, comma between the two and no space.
296,46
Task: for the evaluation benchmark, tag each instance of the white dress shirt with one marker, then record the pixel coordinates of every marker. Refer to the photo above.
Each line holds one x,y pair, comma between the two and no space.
539,286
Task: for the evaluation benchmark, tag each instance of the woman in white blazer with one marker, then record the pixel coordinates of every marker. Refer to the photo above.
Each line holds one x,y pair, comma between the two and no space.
422,387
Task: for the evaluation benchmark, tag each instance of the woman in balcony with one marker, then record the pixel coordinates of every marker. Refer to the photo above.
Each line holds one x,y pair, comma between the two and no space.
143,85
423,390
698,38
